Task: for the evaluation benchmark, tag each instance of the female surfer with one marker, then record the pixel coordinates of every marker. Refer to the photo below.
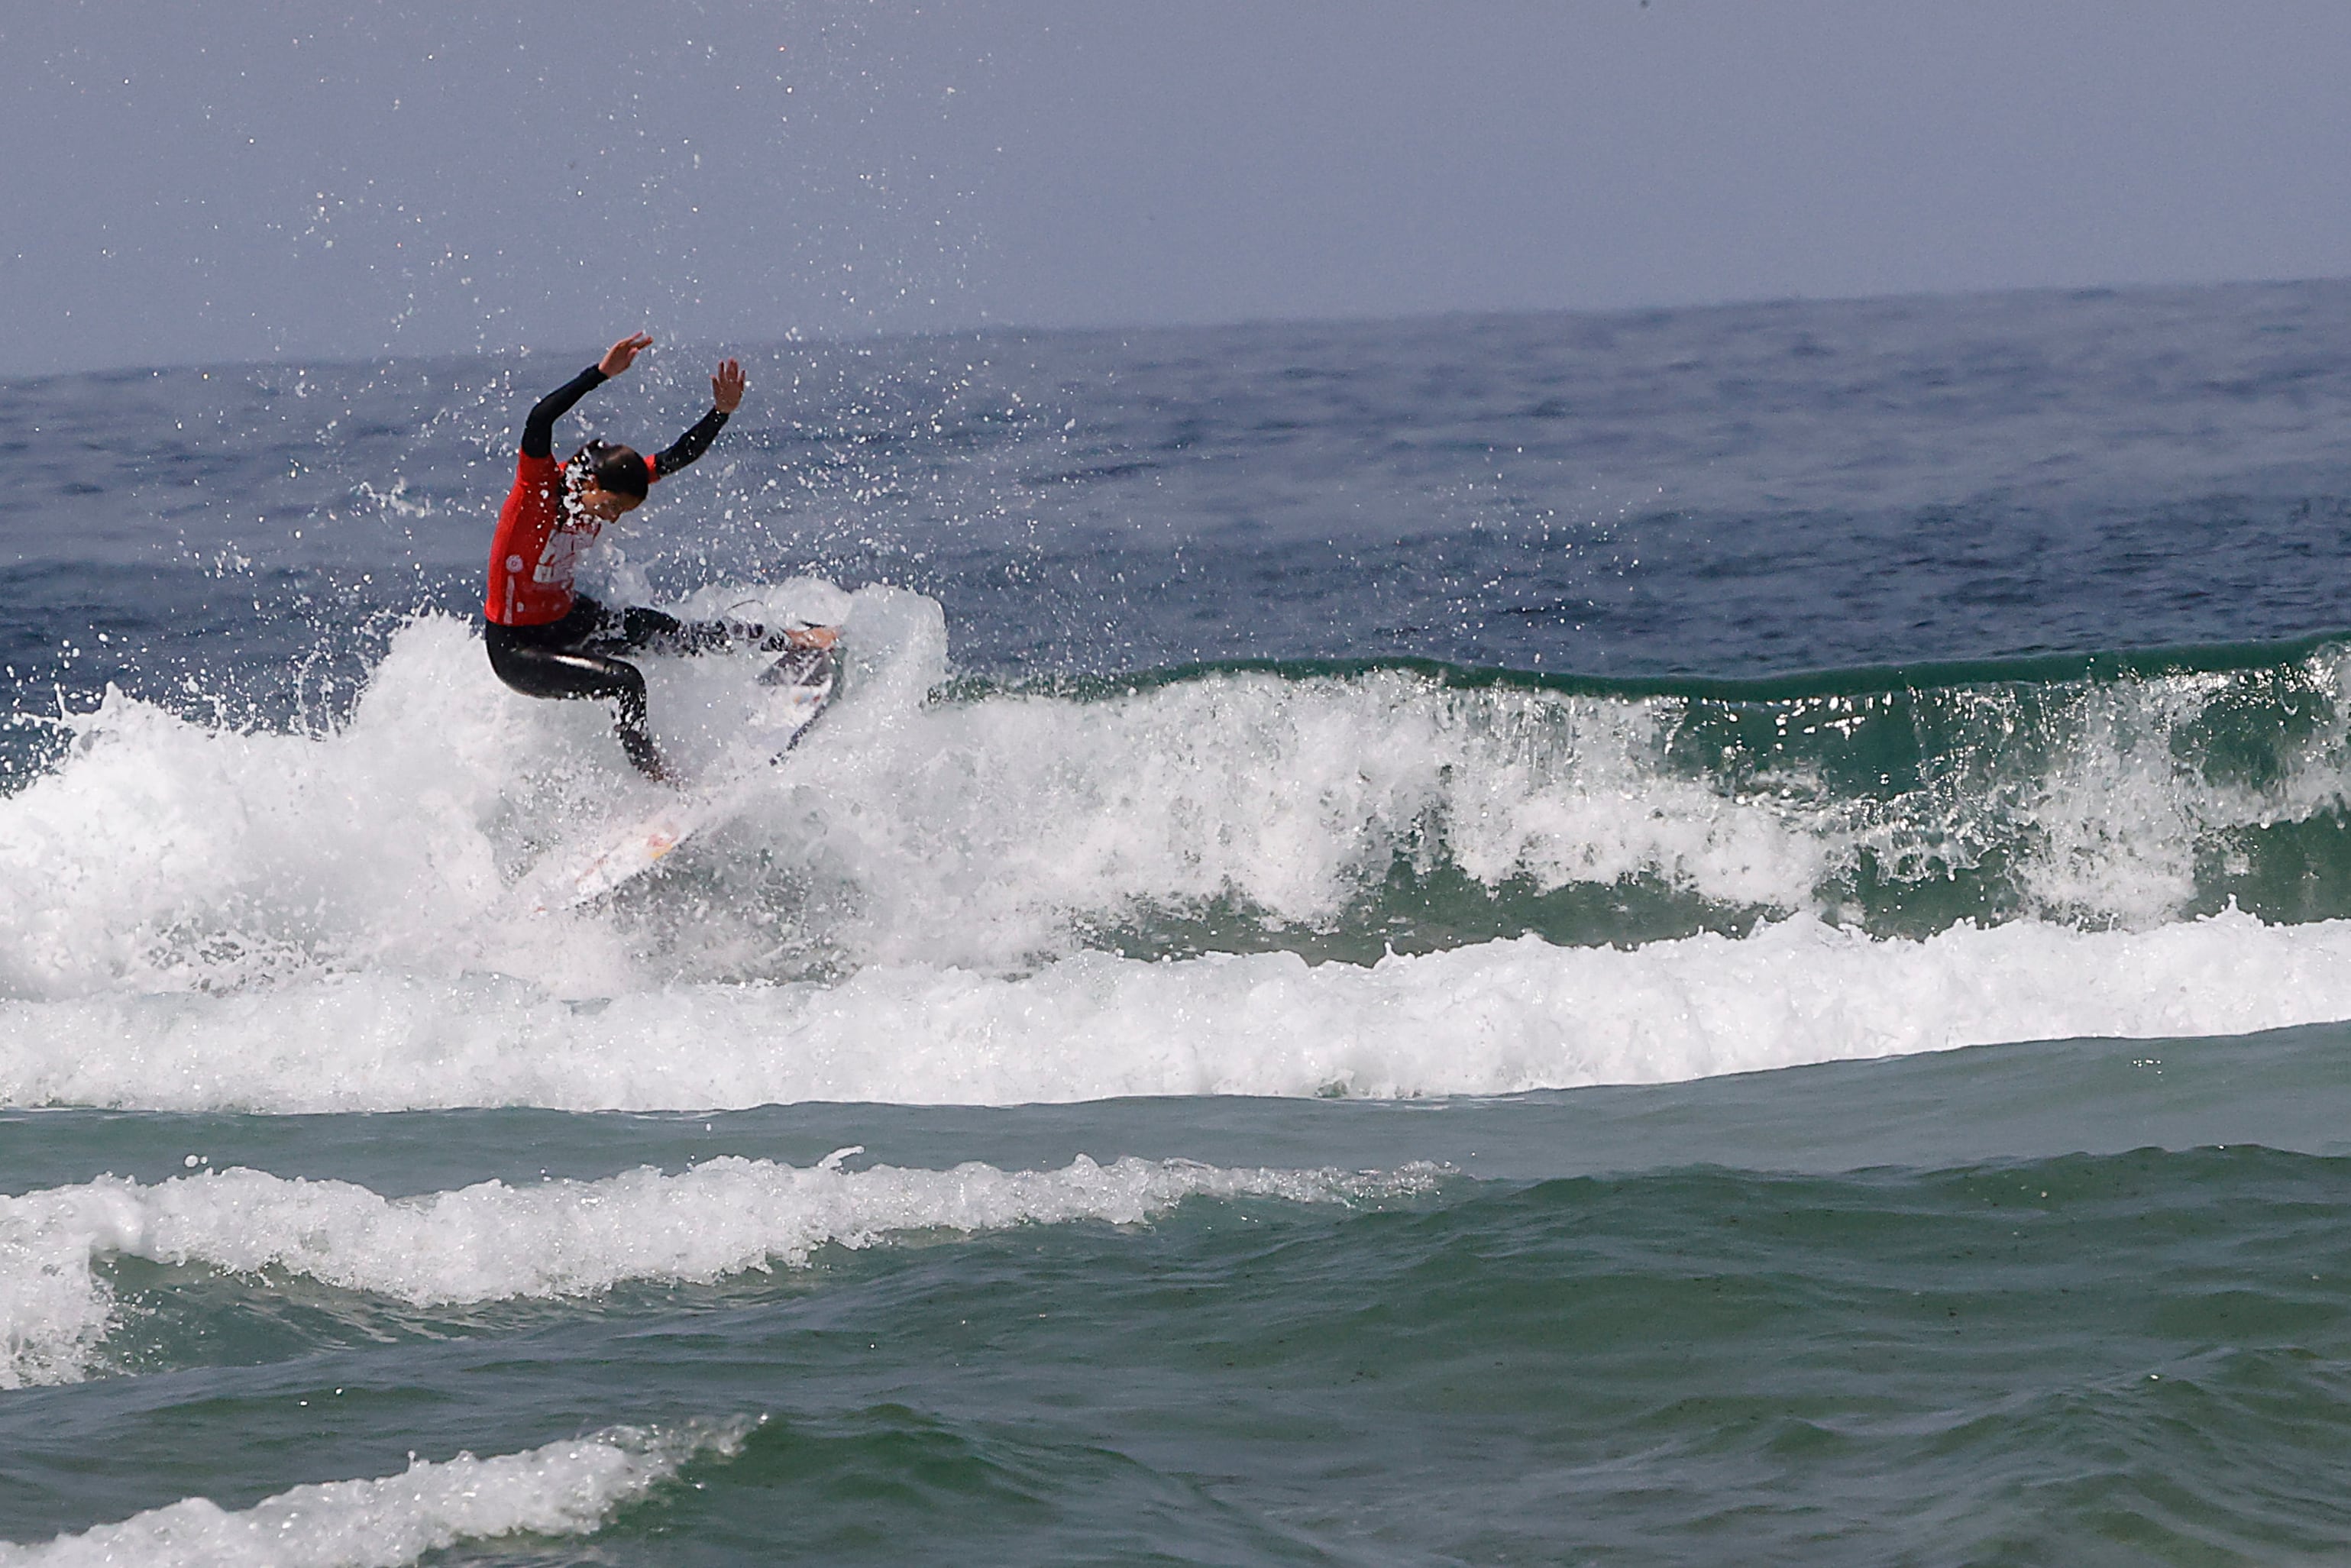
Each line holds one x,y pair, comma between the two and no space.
545,638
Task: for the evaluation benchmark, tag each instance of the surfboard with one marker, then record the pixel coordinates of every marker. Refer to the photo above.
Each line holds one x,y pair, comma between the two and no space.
799,685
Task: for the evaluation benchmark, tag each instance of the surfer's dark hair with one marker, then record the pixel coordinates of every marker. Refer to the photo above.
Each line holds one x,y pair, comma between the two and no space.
614,467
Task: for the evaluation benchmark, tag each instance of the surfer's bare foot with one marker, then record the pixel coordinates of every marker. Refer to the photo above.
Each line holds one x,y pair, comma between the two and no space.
803,637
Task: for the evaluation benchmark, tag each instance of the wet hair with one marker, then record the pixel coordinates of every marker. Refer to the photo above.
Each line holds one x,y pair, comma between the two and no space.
613,466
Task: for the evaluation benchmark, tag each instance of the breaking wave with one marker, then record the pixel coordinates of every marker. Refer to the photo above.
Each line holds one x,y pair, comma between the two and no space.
1284,880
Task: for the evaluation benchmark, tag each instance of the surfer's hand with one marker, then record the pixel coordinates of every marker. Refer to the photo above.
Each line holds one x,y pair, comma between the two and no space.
813,636
623,354
727,386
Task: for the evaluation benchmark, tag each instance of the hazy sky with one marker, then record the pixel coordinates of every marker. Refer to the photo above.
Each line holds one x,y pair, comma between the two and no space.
269,178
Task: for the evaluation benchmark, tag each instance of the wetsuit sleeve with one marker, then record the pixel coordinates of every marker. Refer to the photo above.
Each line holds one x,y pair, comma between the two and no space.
692,445
538,430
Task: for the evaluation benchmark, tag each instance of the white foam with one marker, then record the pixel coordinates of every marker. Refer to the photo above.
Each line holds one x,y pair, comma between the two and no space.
565,1489
165,854
560,1238
981,834
200,918
1498,1018
161,855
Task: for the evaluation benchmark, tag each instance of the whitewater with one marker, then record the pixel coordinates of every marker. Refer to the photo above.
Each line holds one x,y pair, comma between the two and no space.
217,918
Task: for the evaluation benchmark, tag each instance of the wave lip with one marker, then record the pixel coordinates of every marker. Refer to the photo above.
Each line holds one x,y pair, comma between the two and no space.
569,1488
562,1237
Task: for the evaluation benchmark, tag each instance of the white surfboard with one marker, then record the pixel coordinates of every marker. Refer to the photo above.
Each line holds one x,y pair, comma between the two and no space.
801,683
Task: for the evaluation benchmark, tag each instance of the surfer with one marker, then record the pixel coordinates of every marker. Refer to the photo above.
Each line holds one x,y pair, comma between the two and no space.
548,640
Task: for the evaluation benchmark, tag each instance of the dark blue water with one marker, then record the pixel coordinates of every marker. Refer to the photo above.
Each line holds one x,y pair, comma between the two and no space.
1728,492
1686,936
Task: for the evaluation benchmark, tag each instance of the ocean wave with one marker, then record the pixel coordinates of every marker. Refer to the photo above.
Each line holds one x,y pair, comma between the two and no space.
1340,813
562,1237
1501,1017
564,1489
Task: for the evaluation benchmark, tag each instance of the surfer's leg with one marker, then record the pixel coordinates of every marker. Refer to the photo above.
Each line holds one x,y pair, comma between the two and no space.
665,634
655,632
538,671
629,719
639,630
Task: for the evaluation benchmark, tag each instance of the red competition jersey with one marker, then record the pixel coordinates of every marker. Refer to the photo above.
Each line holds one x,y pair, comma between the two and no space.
535,549
539,540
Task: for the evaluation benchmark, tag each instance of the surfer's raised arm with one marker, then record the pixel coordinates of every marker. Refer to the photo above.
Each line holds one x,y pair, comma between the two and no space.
725,396
538,429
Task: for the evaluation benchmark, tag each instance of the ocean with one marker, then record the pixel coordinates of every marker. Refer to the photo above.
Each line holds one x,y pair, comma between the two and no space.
1676,937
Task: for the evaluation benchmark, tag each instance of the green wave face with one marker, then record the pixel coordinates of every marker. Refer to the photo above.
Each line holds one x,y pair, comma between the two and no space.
2098,791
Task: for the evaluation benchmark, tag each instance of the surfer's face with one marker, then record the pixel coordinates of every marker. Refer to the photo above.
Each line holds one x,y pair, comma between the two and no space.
608,505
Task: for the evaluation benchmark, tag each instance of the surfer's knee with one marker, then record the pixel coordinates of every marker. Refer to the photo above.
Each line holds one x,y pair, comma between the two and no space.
533,670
